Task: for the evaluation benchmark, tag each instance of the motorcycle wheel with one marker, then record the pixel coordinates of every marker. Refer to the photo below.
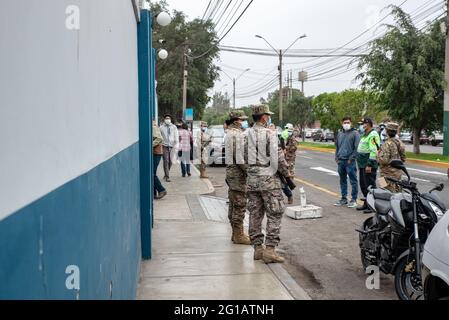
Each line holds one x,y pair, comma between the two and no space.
408,284
369,224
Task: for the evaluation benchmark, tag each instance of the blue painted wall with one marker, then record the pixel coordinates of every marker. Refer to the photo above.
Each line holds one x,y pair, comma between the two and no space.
92,222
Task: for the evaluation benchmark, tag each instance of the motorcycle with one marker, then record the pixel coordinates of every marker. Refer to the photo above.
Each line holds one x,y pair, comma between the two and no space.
393,239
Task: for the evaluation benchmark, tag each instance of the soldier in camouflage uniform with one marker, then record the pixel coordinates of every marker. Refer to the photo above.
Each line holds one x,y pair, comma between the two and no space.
291,146
392,149
236,176
265,161
204,141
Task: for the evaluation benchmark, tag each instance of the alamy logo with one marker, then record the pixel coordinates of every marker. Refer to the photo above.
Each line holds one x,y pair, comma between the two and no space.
72,282
72,21
373,280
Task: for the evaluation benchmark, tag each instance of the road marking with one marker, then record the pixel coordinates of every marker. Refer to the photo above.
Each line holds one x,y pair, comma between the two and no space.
304,157
428,172
422,180
334,194
330,172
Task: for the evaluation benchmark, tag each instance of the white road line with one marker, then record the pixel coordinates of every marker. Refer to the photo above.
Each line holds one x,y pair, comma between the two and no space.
329,172
304,157
421,180
428,172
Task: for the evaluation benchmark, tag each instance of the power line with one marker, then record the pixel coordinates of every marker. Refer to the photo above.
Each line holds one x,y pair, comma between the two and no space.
207,9
238,19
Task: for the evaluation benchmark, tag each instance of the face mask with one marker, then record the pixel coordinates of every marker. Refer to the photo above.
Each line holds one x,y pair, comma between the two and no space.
245,125
167,121
269,121
203,129
290,134
362,129
346,127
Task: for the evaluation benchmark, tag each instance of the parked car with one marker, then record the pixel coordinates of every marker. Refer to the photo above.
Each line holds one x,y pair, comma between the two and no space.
309,133
435,271
436,138
329,136
424,139
406,137
217,155
318,136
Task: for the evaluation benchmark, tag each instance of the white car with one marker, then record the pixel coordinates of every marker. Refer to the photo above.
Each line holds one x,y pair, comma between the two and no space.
435,271
436,138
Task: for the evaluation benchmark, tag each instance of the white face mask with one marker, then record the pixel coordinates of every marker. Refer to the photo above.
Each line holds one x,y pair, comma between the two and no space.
346,127
167,121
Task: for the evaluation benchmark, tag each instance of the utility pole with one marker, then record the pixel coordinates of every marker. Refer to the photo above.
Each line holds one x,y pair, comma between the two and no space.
291,84
233,95
281,91
184,86
446,91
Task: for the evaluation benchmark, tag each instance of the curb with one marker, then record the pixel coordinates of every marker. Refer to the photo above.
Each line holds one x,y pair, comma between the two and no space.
210,186
293,288
435,164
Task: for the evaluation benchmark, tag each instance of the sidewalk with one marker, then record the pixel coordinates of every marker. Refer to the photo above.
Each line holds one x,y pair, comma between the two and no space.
194,258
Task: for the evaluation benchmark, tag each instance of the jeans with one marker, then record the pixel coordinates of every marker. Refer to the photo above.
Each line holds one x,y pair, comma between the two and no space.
345,170
288,193
366,180
184,157
158,187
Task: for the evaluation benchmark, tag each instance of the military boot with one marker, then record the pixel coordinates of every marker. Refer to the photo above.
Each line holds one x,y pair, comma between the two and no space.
270,256
239,237
258,252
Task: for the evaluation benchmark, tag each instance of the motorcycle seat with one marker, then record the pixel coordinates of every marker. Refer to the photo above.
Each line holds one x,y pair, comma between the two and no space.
381,194
383,207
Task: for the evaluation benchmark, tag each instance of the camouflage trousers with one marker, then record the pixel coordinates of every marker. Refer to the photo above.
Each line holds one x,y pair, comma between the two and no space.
237,207
271,204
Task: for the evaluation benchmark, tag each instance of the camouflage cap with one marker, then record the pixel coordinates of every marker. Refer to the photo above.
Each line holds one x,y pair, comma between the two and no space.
261,109
237,114
392,126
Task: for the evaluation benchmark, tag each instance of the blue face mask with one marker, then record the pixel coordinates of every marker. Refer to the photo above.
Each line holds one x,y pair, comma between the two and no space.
362,129
269,121
245,125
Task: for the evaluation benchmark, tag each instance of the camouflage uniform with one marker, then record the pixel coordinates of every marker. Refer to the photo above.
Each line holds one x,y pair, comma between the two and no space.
392,149
290,152
264,186
235,172
204,141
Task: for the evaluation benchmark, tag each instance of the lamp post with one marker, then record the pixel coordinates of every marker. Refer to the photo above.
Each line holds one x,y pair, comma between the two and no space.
234,80
280,54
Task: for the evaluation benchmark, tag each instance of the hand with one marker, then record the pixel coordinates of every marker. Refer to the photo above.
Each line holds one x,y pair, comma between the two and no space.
368,170
349,162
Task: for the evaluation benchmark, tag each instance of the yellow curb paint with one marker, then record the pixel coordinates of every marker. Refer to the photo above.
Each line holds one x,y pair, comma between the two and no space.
434,164
334,194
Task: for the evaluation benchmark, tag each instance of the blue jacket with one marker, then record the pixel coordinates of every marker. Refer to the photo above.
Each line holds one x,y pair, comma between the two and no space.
347,143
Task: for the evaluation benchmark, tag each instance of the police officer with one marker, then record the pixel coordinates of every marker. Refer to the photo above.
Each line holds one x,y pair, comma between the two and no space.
265,161
392,149
236,176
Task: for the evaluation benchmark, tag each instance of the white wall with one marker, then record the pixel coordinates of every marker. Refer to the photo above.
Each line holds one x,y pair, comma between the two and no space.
68,99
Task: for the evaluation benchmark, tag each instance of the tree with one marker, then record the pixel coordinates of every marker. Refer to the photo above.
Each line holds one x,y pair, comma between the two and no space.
299,111
221,103
200,38
330,108
406,66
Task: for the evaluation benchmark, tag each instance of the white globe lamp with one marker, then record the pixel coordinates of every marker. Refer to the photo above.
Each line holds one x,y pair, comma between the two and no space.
163,54
163,19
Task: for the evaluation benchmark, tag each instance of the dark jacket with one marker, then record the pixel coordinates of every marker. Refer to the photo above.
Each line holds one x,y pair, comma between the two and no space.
347,143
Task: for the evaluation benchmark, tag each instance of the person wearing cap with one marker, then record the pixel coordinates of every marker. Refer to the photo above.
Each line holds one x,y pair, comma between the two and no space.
290,146
367,159
236,176
170,144
392,149
285,134
265,160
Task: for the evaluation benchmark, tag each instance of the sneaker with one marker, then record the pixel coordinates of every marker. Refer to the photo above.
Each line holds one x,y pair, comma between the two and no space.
341,203
352,204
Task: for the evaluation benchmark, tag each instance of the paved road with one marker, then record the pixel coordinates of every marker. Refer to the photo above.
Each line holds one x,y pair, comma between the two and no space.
320,168
409,147
323,255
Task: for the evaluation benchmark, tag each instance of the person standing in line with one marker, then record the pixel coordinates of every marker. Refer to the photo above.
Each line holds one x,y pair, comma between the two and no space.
170,144
236,176
185,141
367,159
289,143
265,161
392,149
347,143
159,190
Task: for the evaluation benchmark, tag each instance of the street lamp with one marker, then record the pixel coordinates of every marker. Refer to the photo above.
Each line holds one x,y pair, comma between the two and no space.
233,83
280,54
163,54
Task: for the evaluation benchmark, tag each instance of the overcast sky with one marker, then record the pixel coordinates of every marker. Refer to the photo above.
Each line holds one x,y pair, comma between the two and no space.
327,23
